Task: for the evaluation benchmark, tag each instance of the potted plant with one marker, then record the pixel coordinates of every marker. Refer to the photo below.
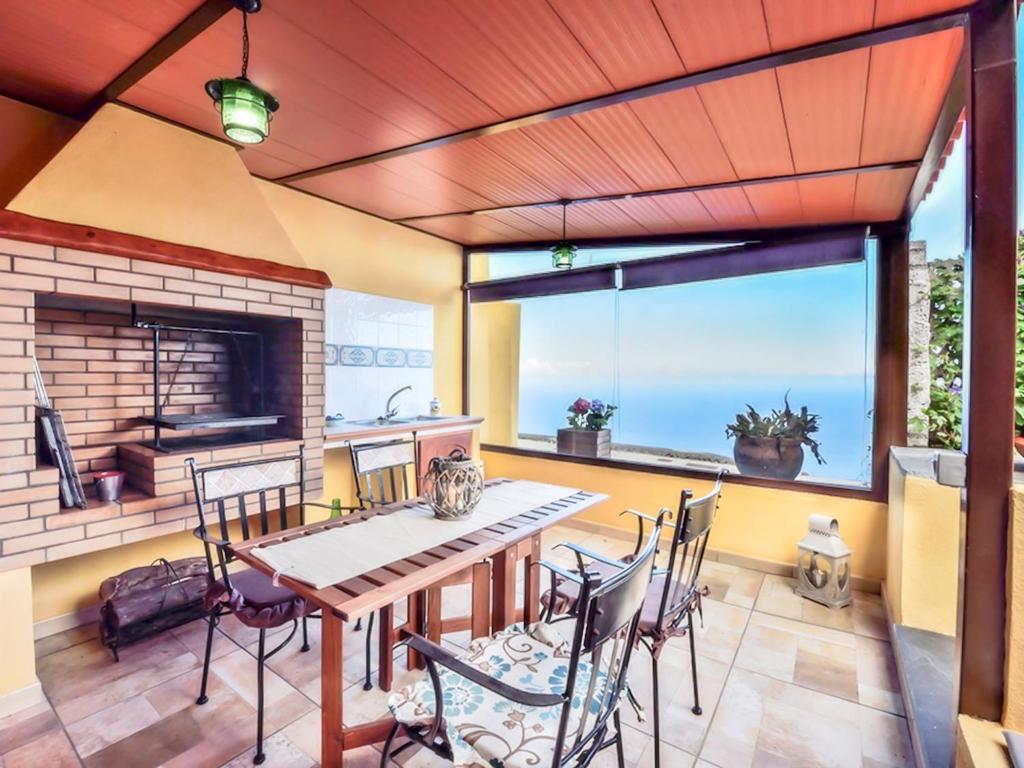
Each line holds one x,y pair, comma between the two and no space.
587,433
773,446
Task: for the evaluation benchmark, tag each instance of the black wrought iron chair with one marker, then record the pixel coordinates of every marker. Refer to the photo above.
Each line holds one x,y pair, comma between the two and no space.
247,593
528,697
674,594
381,471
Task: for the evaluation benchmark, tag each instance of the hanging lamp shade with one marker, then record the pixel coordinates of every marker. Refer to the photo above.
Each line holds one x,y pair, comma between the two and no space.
245,109
563,253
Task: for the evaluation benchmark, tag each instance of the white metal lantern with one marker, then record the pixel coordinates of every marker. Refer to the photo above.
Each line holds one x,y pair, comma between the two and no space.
823,564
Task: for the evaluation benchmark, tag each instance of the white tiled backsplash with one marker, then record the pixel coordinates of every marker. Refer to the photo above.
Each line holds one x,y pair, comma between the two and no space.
376,345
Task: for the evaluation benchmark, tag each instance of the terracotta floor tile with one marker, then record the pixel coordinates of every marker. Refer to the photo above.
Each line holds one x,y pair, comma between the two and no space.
22,727
305,733
99,730
280,752
52,750
836,677
69,637
83,679
193,637
730,583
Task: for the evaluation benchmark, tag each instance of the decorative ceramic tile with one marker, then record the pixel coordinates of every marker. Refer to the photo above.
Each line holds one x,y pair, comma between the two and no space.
389,357
220,483
356,356
330,354
419,358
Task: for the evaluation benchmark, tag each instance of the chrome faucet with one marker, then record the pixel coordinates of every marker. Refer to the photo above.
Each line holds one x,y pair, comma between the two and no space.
389,412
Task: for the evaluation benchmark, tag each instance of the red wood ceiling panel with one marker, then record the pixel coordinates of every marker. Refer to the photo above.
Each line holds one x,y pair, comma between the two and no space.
470,230
61,56
709,33
747,114
795,23
777,204
394,193
881,195
575,149
531,34
683,130
827,200
729,207
619,132
907,83
449,39
824,106
681,212
894,11
331,106
626,39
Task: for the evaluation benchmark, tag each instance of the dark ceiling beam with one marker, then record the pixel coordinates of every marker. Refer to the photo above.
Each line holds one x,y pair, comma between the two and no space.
890,34
197,22
762,234
952,108
675,190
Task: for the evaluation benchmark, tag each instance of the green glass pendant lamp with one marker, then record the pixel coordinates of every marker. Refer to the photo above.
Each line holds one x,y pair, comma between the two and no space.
245,109
563,253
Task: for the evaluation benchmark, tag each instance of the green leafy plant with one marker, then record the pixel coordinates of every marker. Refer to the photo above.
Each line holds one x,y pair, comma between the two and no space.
784,424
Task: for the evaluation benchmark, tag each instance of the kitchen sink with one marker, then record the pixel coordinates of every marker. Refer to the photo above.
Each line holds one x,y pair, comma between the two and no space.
427,418
379,422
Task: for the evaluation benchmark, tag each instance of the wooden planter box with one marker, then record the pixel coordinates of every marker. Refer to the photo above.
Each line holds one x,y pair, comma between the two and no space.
585,442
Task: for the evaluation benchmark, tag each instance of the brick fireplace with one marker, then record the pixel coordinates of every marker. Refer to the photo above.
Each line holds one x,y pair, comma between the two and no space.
72,309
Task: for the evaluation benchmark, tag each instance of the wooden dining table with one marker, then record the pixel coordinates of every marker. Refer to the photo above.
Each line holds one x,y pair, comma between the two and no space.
504,544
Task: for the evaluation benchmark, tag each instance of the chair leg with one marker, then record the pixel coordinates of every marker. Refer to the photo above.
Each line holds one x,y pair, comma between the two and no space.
384,758
359,624
619,749
369,637
211,622
656,709
693,666
305,636
260,757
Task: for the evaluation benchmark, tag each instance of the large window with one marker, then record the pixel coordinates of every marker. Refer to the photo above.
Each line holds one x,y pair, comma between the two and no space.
680,361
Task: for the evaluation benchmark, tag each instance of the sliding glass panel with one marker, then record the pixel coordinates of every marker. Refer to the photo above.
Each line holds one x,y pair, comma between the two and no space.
681,363
694,356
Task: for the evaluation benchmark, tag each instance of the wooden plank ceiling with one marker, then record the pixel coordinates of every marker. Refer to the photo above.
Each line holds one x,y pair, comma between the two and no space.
359,77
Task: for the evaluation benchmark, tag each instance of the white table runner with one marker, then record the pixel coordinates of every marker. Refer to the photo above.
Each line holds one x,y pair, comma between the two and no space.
337,554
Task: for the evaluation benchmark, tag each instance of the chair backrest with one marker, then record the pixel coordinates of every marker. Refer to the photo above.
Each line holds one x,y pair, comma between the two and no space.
381,471
230,487
608,617
689,541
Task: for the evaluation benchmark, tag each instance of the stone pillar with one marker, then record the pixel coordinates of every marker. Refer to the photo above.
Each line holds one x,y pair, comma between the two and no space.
919,369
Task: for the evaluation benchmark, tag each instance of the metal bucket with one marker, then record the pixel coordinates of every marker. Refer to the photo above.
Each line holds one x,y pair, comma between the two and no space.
109,485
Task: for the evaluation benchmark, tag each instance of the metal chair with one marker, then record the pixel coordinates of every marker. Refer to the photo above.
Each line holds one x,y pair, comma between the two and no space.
381,472
528,697
673,595
249,594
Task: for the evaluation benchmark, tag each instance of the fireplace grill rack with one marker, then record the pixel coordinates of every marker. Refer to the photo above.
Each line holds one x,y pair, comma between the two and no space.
254,418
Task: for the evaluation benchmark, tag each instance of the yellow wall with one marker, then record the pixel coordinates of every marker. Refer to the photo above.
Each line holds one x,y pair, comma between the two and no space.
922,573
1013,710
364,253
130,173
29,138
494,374
753,522
18,668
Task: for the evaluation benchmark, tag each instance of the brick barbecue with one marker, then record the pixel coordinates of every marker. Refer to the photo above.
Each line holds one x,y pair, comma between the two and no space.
70,308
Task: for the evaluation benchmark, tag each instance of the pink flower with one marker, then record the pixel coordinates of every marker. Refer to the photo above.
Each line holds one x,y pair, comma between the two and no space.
581,406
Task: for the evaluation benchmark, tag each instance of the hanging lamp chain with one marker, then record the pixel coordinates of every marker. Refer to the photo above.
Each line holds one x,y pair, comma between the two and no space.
245,43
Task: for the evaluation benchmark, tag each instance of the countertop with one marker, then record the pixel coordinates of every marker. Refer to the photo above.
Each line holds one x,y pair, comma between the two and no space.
337,435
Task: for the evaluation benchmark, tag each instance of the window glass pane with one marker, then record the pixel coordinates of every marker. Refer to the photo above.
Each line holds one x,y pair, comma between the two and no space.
681,361
494,266
693,356
938,236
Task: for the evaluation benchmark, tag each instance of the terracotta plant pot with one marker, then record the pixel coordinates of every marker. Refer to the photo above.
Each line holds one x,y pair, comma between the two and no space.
775,458
1018,443
593,443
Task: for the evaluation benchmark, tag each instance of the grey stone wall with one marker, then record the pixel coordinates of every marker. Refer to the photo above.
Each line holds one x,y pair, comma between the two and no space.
919,374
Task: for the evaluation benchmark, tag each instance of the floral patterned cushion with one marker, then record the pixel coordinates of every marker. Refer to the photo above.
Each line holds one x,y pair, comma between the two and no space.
487,730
